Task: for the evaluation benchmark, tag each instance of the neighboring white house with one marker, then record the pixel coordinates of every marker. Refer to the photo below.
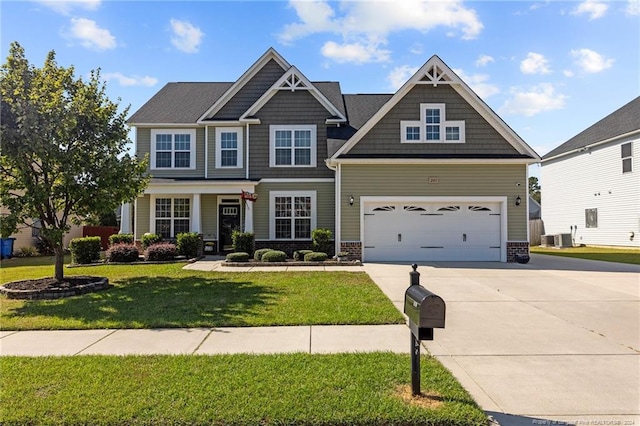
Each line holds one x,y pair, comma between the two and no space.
592,182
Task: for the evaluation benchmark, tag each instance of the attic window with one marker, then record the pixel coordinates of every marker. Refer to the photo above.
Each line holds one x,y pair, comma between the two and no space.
433,127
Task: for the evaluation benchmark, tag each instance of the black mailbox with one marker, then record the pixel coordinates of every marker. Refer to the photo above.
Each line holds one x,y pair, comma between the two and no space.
425,310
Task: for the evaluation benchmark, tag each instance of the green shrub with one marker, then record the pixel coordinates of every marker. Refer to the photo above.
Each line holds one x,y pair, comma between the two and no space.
122,253
274,256
260,252
160,252
238,257
321,238
149,240
315,257
299,254
26,251
243,242
188,244
85,250
120,239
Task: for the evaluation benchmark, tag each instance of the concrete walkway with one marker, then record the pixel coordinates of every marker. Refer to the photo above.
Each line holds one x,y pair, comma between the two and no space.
557,339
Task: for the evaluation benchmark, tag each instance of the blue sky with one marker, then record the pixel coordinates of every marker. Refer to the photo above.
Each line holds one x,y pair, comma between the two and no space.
550,69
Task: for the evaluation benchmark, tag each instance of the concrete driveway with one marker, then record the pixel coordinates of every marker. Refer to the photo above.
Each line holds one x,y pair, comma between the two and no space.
557,339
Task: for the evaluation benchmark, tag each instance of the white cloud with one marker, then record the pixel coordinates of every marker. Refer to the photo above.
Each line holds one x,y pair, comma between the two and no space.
594,8
417,49
90,35
535,63
399,75
65,7
186,37
568,73
354,52
633,8
590,61
133,80
370,23
484,60
478,83
537,99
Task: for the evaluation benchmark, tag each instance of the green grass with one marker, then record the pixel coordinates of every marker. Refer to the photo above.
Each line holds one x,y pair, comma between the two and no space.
605,254
342,389
165,295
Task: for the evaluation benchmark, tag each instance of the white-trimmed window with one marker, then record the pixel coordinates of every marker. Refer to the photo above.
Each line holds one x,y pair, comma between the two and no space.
228,147
172,216
292,145
173,149
432,127
292,215
626,153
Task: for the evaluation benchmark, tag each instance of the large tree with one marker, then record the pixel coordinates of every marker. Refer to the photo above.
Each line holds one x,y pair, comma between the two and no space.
534,188
63,153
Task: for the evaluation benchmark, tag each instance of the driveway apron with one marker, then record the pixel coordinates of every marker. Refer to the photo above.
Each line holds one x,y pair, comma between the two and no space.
557,339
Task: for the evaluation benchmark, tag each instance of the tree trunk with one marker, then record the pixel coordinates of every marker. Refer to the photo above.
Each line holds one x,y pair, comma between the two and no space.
59,271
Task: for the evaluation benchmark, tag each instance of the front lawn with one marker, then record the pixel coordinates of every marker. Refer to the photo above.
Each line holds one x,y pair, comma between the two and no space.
605,254
341,389
165,295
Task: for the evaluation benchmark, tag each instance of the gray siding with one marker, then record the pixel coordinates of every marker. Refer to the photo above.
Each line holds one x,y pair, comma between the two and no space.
299,107
454,180
142,213
143,147
251,91
213,172
325,199
481,137
209,215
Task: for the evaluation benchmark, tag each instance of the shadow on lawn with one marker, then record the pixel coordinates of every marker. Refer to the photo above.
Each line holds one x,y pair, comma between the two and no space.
157,302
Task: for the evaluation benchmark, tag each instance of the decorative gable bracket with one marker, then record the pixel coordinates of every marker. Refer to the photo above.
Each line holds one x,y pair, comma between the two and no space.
435,75
293,83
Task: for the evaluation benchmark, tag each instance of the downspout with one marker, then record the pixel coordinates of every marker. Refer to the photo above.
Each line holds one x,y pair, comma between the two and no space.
206,152
338,210
247,155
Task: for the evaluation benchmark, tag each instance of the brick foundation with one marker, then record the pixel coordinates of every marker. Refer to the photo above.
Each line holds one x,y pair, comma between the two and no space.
354,248
516,247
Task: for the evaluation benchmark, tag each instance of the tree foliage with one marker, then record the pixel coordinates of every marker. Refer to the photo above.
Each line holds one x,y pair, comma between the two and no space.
534,188
64,148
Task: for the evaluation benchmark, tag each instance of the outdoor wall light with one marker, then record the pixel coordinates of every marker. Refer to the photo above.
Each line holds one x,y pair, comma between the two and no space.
351,200
518,200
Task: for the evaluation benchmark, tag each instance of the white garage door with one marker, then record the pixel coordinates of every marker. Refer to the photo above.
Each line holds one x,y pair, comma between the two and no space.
432,231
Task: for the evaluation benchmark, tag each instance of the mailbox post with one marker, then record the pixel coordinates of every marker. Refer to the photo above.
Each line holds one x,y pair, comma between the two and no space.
426,311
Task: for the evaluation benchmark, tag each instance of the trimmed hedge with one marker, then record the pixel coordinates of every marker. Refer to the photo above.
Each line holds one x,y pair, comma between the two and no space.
122,253
274,256
120,239
85,250
188,244
299,254
315,257
238,257
243,242
149,240
322,240
160,252
260,252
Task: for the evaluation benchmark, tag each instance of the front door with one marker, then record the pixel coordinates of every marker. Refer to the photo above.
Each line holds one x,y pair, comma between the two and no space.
229,221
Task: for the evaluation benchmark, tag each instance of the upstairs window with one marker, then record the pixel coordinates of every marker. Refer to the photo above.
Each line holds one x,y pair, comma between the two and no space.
228,147
173,149
293,146
433,127
626,152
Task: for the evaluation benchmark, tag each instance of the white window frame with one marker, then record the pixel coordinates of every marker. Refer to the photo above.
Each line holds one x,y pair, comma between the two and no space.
219,132
422,125
292,128
628,158
173,132
153,217
291,194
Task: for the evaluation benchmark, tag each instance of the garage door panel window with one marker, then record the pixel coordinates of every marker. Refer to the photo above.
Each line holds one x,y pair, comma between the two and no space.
293,215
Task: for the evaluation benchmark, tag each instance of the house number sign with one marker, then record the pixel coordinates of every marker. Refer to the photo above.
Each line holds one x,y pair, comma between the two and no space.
434,179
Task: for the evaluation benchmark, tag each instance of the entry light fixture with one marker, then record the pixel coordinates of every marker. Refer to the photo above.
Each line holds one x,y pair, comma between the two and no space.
351,200
518,200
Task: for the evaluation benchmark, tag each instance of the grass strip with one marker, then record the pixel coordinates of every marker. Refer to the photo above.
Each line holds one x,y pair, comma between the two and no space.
340,389
604,254
166,296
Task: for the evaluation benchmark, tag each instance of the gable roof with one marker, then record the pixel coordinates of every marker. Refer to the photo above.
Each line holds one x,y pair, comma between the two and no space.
436,72
620,122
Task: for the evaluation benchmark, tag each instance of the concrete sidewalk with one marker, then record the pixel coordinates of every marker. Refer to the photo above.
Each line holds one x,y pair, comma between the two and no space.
557,339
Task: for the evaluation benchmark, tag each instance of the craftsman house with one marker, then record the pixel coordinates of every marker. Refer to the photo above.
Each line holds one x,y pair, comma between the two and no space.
592,182
427,173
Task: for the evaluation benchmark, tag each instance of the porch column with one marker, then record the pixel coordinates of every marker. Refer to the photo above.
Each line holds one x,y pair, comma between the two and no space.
248,216
196,214
125,218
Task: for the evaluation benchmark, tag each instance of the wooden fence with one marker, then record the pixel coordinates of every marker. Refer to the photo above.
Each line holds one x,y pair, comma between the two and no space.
536,230
104,232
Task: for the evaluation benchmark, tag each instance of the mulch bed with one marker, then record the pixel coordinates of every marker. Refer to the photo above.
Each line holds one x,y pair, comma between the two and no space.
50,288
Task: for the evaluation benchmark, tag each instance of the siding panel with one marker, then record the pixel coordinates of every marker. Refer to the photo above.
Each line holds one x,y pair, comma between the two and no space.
209,214
143,205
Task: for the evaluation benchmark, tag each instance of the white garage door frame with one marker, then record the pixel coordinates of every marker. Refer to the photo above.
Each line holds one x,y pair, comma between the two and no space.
502,200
